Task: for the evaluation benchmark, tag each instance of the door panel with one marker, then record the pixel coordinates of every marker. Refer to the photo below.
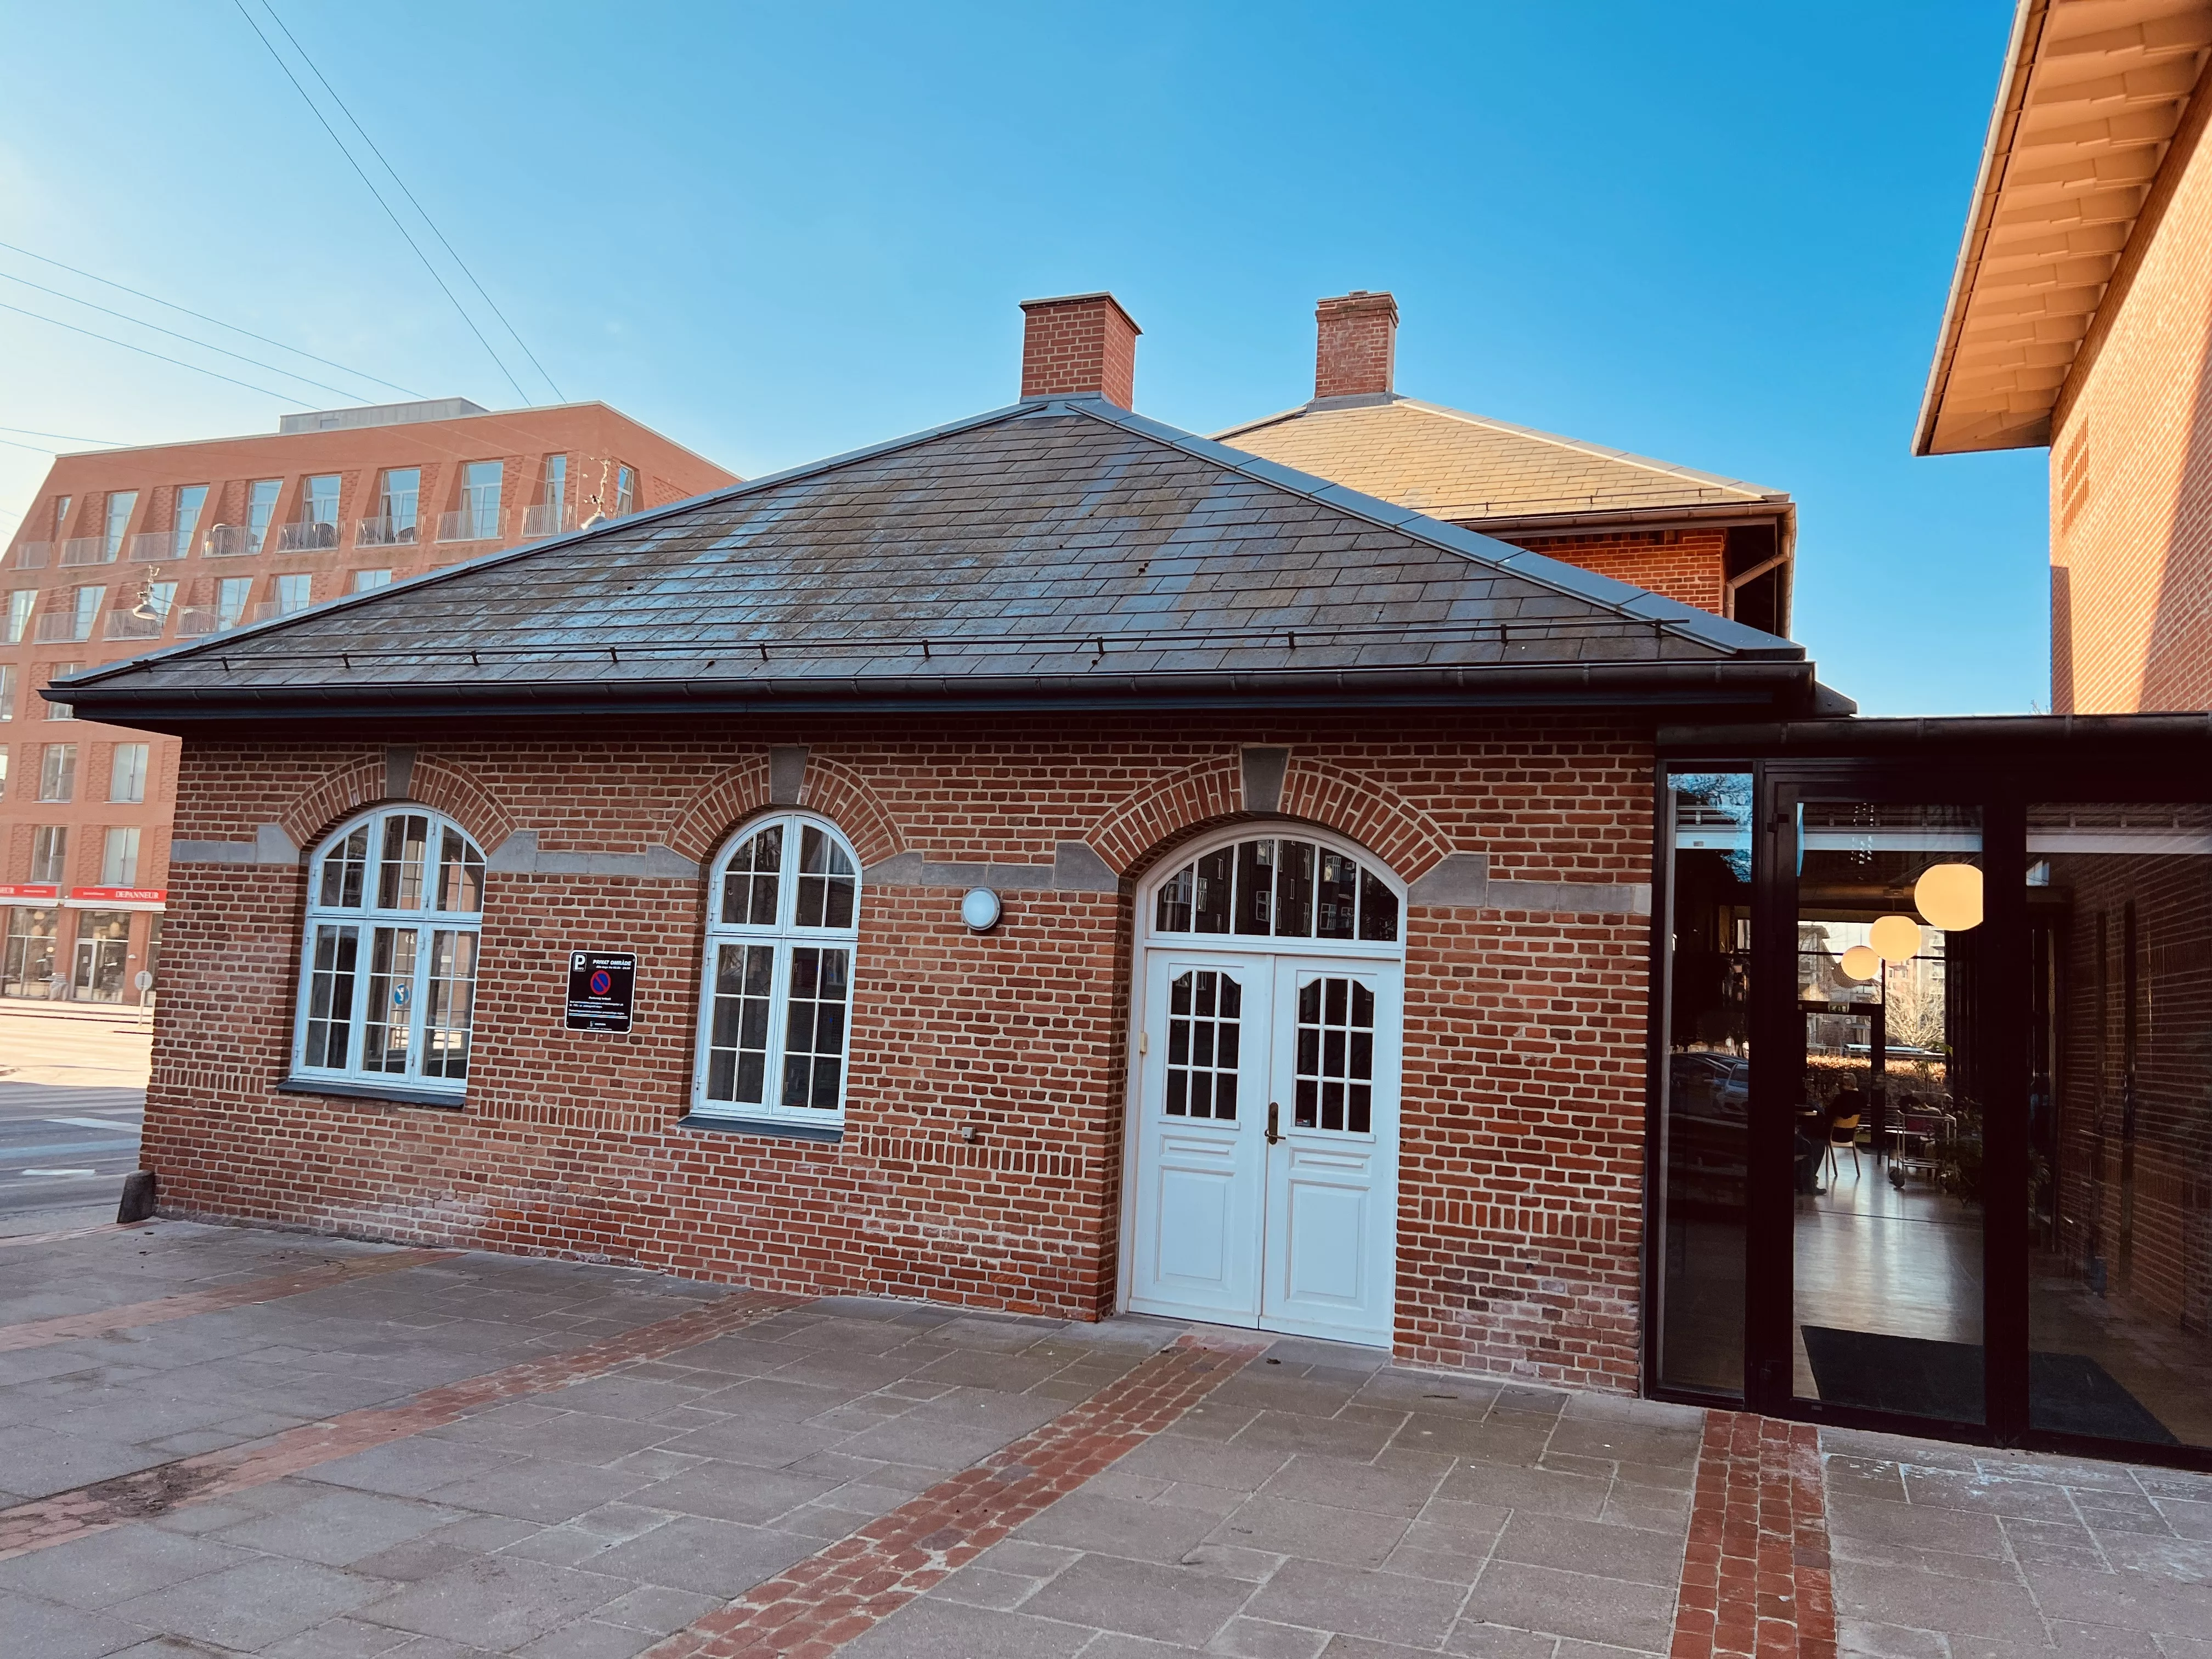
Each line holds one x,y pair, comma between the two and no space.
1202,1070
1333,1172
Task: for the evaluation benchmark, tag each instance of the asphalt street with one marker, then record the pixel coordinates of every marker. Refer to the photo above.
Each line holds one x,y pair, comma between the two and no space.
63,1147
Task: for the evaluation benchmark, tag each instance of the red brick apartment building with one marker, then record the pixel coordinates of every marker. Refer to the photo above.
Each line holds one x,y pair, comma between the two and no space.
1057,862
126,550
2080,320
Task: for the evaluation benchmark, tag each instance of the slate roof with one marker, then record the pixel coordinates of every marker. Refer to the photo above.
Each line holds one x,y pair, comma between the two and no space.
1059,551
1477,471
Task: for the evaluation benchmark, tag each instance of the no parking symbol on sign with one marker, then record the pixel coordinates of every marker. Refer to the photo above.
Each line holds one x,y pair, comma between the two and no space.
600,987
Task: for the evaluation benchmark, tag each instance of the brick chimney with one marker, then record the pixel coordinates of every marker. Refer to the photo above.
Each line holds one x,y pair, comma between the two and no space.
1079,344
1355,344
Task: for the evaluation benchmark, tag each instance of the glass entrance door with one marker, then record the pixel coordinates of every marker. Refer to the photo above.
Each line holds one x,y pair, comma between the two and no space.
1886,1111
103,947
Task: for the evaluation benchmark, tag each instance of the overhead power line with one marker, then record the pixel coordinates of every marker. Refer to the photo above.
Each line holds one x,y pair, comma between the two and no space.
66,437
188,338
264,390
317,110
493,304
170,305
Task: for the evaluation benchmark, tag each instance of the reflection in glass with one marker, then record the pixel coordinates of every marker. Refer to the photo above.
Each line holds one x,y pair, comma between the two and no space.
1704,1118
2120,1121
1888,1133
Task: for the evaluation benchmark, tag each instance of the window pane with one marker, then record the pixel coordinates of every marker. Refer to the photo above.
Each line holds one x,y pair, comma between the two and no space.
118,864
814,1035
1256,885
50,853
461,873
1210,902
749,886
406,841
120,505
1204,1034
57,772
385,1043
1294,890
329,996
1173,913
826,881
260,508
1378,909
126,773
343,868
737,1052
1336,896
189,499
449,1007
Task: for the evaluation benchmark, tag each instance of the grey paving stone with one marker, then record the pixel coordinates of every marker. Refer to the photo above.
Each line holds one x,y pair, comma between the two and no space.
251,1605
2100,1641
2032,1500
1382,1607
409,1468
1878,1641
935,1443
1168,1604
1282,1526
712,1557
112,1567
982,1586
36,1627
1260,1638
1329,1436
1626,1442
1497,1485
1577,1605
1233,1467
338,1526
1116,1526
930,1628
494,1601
2129,1600
765,1445
1914,1557
587,1638
40,1461
1346,1484
2187,1516
1593,1547
1913,1526
733,1492
538,1490
657,1608
1926,1601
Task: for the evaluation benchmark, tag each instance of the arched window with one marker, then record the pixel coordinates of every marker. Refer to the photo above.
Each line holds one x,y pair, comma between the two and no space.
388,978
783,919
1278,887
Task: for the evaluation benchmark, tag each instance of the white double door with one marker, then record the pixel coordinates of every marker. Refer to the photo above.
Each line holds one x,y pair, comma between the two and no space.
1266,1170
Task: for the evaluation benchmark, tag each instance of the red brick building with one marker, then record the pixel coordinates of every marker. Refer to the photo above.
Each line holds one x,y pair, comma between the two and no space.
126,550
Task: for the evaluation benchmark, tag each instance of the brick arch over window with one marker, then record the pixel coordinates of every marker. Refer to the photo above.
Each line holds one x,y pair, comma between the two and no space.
345,790
841,795
734,794
1166,810
1385,822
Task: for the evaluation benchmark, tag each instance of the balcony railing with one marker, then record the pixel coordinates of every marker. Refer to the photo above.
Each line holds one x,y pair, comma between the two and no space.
194,620
230,541
546,519
384,533
469,524
128,625
57,625
32,555
88,550
269,610
310,536
159,546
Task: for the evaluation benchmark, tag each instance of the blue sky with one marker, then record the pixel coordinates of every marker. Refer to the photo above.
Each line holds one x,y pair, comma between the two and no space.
1720,234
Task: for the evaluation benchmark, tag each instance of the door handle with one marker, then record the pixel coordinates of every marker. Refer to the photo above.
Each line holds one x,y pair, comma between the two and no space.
1274,1116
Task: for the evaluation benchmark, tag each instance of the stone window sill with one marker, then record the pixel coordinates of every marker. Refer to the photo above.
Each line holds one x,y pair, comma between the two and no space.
770,1128
346,1089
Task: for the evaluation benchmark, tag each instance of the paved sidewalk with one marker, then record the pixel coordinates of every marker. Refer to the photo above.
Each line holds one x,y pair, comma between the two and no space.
572,1461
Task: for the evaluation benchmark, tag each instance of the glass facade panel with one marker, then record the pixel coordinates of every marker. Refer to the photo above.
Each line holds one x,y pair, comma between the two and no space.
2120,1121
26,967
189,499
260,508
120,505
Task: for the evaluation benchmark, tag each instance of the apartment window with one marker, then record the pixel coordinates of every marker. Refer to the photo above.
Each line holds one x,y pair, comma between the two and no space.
625,492
121,504
294,593
57,772
61,514
260,508
402,493
320,502
189,499
231,594
50,853
3,774
388,990
84,610
118,860
480,488
126,772
556,480
365,579
7,692
157,601
783,923
61,671
23,605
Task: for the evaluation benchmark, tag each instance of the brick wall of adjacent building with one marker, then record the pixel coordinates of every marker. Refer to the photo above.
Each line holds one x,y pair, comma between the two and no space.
1689,565
2131,470
1520,1199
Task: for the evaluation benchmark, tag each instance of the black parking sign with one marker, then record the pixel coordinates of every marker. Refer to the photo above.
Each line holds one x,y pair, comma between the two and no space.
600,983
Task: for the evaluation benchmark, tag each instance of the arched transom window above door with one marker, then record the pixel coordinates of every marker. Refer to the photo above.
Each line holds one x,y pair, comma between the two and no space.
1278,887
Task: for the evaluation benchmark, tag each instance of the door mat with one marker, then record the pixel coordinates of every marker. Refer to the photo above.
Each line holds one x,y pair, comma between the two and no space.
2066,1393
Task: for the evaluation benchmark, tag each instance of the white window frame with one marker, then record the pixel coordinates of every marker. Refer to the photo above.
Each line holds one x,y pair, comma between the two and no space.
424,920
783,936
127,767
1184,858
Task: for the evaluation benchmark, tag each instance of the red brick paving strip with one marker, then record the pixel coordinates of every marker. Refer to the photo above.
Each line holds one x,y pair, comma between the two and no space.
38,1333
45,1521
1755,1578
833,1597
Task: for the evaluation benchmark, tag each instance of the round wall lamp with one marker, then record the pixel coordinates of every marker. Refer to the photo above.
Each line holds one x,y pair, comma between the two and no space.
980,909
1897,938
1950,897
1861,963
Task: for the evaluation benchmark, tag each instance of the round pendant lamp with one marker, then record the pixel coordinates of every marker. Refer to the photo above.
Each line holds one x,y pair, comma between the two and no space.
1861,963
1950,897
1896,939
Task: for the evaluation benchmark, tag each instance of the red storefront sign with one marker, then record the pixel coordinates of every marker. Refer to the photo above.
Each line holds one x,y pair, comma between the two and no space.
118,895
18,892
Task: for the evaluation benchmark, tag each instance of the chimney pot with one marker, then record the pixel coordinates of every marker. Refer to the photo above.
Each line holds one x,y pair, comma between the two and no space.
1355,344
1077,346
